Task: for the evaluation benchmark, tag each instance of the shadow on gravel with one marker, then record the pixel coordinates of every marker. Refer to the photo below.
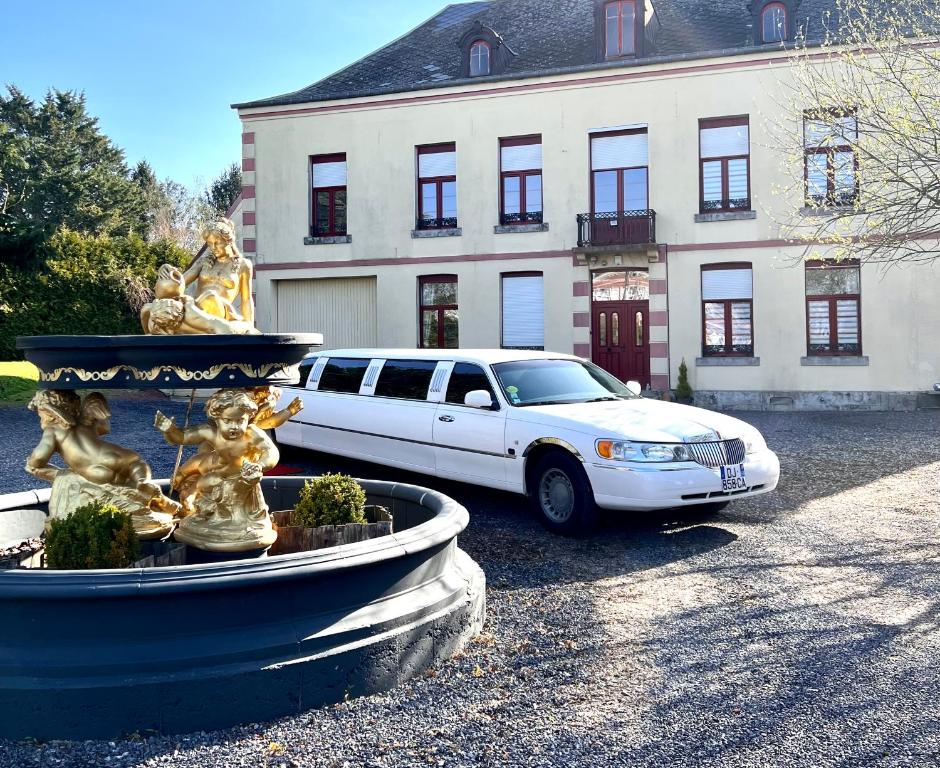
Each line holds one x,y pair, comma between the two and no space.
831,663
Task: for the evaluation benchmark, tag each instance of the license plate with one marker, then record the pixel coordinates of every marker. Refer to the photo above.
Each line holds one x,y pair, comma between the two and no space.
732,478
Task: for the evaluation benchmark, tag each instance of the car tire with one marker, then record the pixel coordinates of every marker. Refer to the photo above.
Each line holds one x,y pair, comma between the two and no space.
561,495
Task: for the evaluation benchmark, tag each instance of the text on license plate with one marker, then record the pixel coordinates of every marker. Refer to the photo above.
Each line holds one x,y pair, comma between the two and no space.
732,477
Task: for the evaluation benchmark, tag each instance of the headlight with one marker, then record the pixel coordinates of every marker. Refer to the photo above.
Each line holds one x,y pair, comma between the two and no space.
623,450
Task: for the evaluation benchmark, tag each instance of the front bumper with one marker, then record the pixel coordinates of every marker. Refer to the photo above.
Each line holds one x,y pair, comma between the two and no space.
661,486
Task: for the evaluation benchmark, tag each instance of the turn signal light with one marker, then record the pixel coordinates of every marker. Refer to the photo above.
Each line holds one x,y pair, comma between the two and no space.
605,449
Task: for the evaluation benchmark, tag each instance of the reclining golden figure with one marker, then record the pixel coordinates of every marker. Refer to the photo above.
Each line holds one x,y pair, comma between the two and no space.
96,470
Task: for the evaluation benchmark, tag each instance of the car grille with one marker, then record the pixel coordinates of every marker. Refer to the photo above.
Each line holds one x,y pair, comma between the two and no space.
719,453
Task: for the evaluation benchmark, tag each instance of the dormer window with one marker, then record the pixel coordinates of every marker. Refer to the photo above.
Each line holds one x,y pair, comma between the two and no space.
620,28
773,23
479,58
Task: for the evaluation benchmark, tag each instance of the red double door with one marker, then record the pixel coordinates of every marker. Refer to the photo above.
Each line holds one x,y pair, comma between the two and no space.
620,339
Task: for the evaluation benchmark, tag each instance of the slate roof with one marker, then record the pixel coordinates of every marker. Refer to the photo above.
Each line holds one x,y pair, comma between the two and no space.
548,36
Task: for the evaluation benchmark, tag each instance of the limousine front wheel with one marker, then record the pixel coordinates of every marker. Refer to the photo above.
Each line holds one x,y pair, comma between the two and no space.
561,494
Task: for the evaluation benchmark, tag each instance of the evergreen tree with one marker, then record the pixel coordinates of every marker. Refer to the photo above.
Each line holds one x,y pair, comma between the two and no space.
223,192
58,169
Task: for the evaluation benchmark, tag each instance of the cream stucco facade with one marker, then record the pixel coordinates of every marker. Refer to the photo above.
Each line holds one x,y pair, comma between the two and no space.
900,354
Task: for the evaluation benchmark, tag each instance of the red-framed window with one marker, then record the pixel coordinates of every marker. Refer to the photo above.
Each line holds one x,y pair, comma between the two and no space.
620,28
520,182
438,314
773,23
620,172
727,310
724,164
479,58
830,163
437,186
833,308
329,198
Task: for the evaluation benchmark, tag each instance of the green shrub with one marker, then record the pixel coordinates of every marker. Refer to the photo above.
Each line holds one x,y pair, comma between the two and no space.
683,388
93,536
330,500
77,284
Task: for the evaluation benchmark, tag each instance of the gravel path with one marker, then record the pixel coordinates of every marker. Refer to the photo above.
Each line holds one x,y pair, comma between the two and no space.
797,629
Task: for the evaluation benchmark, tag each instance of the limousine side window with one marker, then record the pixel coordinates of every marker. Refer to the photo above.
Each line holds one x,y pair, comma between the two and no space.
305,367
405,379
466,377
343,376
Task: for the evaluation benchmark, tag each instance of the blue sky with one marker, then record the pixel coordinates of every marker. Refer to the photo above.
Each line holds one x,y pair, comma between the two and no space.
161,75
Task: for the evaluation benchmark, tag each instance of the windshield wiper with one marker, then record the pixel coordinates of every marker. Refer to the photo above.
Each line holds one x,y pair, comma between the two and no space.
605,399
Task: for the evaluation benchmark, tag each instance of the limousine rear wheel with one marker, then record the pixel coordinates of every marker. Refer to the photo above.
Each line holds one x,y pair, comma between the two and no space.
561,494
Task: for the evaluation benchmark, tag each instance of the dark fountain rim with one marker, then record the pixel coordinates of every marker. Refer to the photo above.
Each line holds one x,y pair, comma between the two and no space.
167,362
450,519
80,342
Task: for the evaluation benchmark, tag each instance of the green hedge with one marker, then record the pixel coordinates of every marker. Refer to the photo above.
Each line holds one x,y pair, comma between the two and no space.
76,284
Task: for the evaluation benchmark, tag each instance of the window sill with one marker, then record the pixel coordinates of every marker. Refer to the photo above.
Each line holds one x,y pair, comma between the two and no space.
419,234
835,360
512,229
721,362
725,216
331,240
832,210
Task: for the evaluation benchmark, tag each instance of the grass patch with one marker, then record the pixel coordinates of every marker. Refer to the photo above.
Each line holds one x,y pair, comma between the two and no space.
17,382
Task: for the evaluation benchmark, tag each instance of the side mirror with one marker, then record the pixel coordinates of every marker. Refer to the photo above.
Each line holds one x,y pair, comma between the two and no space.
635,388
478,398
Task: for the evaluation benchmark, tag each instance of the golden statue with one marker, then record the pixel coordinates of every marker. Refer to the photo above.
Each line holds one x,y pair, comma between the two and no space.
97,470
266,398
173,312
220,487
222,275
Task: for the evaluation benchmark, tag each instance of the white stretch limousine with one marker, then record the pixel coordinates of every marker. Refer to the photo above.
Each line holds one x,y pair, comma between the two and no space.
554,427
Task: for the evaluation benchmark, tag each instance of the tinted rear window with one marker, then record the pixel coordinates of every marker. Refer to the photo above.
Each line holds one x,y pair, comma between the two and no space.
408,379
465,378
343,376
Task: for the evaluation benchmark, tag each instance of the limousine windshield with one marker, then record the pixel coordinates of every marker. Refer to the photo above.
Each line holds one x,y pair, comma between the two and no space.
554,382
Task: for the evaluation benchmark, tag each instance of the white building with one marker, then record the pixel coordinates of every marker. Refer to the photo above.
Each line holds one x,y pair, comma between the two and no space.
579,176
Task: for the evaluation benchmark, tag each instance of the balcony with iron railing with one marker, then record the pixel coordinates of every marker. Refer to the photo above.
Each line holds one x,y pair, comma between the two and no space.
616,228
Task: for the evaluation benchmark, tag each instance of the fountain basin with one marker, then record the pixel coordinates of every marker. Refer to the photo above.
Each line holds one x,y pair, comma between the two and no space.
167,362
100,654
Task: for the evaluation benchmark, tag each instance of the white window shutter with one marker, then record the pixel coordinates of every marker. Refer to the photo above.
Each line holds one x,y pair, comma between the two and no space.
523,311
630,151
724,142
527,157
437,164
329,174
722,284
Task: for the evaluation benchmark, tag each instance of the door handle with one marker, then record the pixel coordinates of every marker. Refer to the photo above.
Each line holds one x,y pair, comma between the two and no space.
446,419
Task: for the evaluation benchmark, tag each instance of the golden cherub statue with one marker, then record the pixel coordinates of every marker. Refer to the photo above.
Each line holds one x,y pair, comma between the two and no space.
96,470
222,276
220,487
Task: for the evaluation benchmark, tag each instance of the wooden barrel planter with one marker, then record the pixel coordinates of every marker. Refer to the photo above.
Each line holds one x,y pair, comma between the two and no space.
297,538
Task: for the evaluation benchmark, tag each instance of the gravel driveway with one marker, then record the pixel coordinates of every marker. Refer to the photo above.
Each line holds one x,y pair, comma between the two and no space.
797,629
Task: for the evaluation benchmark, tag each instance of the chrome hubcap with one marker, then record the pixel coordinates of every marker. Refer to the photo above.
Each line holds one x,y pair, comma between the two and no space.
556,494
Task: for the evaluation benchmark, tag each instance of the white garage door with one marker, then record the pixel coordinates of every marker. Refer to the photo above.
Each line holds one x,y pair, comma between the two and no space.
342,309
